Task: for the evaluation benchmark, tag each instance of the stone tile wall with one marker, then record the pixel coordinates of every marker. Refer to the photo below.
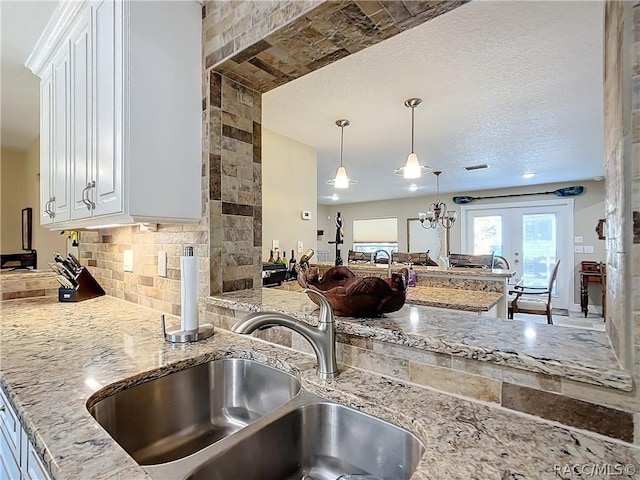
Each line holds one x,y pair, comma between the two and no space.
318,34
102,252
634,269
235,185
14,285
616,201
603,410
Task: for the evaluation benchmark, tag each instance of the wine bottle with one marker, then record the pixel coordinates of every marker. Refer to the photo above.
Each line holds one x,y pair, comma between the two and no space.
284,259
292,261
413,278
278,259
271,259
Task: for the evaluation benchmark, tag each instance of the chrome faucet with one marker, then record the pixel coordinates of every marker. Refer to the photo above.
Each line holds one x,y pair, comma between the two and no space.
374,257
322,338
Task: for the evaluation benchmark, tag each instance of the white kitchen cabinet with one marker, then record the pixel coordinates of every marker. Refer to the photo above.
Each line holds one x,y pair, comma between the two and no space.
131,115
18,458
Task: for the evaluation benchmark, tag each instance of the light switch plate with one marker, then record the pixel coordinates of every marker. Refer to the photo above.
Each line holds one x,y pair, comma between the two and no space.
588,249
275,244
578,249
300,247
577,239
162,263
128,260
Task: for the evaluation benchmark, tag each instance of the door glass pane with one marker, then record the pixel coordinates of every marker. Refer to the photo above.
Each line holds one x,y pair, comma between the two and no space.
487,235
538,248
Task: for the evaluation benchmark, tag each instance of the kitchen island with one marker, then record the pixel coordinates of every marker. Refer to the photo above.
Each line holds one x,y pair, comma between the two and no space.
56,355
477,280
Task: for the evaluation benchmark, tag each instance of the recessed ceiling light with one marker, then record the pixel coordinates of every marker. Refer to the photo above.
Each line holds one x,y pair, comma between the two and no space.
334,197
413,187
528,175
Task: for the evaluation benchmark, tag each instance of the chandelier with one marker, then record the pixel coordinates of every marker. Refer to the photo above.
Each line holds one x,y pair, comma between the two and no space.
438,213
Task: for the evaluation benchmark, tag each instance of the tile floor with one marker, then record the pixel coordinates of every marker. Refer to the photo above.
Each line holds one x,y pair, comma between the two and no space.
574,319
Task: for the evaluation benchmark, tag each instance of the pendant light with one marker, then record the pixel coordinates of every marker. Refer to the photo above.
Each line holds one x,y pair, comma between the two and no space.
412,169
341,179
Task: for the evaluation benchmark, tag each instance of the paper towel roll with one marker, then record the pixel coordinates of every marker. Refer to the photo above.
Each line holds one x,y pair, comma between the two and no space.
189,293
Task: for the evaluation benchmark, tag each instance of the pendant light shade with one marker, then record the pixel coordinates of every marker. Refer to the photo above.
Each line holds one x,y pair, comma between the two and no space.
412,168
341,179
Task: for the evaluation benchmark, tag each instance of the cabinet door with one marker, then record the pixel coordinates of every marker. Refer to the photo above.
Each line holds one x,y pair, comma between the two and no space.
46,142
9,466
60,164
108,106
81,119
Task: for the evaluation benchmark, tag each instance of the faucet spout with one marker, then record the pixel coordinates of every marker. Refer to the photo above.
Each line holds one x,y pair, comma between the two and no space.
322,338
374,258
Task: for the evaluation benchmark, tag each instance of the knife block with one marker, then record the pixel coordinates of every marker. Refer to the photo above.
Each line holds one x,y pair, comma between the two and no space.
87,288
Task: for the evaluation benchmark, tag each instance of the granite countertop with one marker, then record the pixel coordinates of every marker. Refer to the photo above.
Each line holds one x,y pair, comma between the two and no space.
439,271
26,274
453,298
578,354
56,355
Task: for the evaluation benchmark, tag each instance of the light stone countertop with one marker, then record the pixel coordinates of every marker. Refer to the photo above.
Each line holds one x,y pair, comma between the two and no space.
578,354
56,355
435,271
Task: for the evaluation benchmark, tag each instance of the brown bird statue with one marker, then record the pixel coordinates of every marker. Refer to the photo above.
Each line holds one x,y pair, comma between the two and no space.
353,296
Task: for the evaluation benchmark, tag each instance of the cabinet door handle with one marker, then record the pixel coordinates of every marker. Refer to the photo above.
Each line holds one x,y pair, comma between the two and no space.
52,213
46,207
91,205
85,196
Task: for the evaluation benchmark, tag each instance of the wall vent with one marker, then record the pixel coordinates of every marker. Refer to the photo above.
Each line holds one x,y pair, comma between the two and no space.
477,167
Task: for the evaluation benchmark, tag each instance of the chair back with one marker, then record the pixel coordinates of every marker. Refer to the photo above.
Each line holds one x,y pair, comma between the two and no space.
500,262
358,257
417,258
554,274
469,260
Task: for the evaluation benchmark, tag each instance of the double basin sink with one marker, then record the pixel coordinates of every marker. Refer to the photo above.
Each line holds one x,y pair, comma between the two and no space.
234,419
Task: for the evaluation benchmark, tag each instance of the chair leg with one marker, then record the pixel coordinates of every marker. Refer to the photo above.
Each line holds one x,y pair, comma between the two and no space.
510,313
549,317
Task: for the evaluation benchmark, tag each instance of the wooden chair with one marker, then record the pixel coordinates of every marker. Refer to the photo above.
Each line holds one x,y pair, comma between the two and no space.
533,300
500,262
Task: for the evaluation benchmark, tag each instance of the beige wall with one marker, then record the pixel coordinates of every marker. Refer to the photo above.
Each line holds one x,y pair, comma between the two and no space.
14,198
21,189
588,208
45,241
287,190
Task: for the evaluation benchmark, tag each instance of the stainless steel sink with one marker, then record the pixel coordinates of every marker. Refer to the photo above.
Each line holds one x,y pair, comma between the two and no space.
171,417
318,441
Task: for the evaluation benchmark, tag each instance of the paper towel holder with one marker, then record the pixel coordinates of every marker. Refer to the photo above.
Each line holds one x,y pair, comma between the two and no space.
182,336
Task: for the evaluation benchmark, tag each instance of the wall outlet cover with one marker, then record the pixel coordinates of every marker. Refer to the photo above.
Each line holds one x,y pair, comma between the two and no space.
577,239
162,263
128,260
275,244
300,247
578,249
306,215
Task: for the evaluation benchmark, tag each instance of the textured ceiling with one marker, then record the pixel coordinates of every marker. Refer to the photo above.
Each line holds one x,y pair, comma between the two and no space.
21,24
516,85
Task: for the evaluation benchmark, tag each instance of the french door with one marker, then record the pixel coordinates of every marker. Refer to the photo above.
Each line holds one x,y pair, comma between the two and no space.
532,236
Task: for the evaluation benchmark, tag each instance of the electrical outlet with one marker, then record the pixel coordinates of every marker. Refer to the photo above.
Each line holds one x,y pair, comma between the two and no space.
578,249
577,239
162,263
128,260
275,244
588,249
300,247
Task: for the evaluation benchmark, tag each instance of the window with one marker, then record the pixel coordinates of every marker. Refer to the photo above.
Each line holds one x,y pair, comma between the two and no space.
375,234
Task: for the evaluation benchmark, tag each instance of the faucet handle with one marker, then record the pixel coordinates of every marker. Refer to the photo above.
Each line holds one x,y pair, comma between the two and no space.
326,311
